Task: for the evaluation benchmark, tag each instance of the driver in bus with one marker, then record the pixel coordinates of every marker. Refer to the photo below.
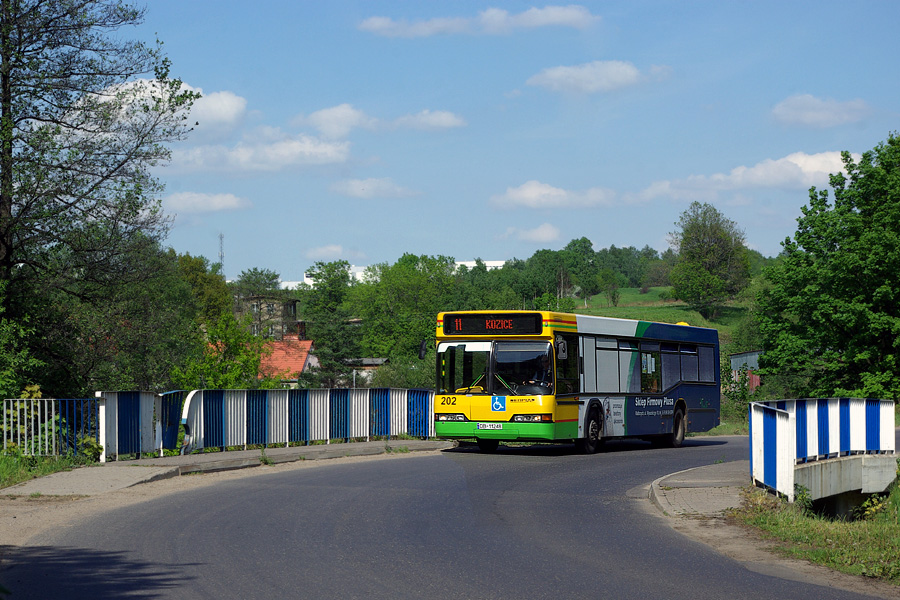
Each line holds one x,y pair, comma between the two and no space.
543,376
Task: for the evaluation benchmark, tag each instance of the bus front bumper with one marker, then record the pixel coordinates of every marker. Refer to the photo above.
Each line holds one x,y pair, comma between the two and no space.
565,430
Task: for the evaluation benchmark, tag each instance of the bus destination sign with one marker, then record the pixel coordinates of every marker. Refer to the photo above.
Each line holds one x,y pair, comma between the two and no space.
492,324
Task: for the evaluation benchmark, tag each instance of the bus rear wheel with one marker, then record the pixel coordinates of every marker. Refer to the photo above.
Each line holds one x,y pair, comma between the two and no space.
676,438
487,445
592,439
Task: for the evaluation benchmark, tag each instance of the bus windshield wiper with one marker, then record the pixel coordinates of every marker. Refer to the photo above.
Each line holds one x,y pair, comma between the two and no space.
506,385
472,385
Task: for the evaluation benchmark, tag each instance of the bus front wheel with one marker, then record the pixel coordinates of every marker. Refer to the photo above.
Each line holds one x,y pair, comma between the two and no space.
487,445
590,443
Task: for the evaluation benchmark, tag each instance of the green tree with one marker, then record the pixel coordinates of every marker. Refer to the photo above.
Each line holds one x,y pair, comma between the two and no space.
581,262
257,282
399,303
130,340
712,259
229,358
547,273
657,271
406,372
831,318
80,131
609,282
208,286
335,336
17,366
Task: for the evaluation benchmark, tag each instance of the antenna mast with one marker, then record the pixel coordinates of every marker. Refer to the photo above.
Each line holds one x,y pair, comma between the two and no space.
222,252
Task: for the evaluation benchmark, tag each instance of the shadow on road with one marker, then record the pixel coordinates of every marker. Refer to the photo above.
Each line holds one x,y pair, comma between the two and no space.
608,446
83,573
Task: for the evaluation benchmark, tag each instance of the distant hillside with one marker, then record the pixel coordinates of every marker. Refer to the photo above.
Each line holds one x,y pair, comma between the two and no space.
650,307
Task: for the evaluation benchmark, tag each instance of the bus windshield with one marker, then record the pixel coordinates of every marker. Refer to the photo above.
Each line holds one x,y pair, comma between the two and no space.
500,369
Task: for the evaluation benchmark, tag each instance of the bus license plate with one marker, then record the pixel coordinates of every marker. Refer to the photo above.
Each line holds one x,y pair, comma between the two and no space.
490,426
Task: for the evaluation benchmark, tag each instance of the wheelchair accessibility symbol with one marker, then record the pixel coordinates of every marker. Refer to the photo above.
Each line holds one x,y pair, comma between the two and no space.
498,403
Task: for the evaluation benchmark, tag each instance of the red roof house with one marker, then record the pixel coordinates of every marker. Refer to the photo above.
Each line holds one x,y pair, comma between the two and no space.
287,358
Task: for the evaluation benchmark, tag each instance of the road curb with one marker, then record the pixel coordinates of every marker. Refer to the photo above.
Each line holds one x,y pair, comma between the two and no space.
654,494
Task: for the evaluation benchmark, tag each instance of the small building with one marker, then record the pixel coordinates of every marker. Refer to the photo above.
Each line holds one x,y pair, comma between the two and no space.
286,359
750,360
364,369
271,317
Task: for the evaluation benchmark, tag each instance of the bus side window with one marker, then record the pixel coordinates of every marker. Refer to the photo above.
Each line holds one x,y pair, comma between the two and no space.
567,372
608,371
707,364
629,367
690,369
671,365
650,372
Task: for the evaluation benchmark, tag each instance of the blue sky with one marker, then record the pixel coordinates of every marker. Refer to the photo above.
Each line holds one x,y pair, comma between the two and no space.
365,130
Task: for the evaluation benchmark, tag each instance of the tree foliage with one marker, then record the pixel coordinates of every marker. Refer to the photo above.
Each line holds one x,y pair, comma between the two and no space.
330,325
17,365
398,303
831,318
85,114
257,282
130,340
79,133
229,358
208,287
712,260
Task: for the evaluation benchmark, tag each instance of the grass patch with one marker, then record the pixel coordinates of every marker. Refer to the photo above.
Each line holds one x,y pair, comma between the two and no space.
16,468
868,545
729,428
656,305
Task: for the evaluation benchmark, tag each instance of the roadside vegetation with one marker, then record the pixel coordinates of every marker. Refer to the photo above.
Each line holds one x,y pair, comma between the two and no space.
868,544
18,468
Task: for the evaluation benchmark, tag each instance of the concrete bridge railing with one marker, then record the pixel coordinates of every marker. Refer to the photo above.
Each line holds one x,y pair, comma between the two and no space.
829,446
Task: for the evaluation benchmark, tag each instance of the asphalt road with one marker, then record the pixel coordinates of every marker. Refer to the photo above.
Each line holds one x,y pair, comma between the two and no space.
527,522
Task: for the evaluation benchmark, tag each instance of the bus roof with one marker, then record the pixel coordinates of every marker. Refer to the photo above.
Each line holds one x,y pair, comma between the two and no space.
595,325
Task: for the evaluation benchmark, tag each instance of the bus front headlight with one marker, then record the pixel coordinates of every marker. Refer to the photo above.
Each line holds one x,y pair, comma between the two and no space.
532,418
450,417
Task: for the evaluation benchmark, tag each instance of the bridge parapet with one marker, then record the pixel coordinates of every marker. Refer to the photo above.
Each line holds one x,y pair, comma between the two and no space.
829,446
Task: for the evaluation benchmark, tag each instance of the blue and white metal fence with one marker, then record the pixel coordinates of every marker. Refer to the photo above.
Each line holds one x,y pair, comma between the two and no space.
784,433
138,422
48,426
238,418
127,423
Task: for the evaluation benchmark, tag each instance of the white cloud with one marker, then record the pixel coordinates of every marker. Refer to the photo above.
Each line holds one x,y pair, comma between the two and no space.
534,194
496,20
589,78
339,121
217,114
492,21
542,234
808,111
795,171
261,156
195,202
332,252
390,28
431,120
372,188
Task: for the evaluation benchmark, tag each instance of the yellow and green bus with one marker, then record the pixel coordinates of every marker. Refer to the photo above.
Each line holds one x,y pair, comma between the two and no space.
608,378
